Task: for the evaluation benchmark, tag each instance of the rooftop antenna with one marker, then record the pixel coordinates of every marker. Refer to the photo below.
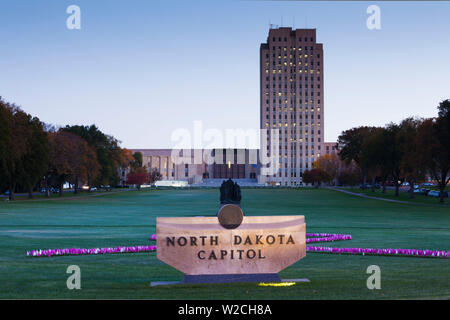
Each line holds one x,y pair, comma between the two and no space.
293,23
282,21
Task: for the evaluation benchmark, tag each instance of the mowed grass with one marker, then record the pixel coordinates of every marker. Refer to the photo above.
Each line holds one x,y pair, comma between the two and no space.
129,219
402,196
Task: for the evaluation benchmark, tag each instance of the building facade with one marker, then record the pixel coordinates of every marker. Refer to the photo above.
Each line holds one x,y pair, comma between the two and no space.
198,165
329,147
291,103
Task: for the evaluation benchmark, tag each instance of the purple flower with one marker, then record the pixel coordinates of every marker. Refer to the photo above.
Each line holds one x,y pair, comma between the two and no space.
312,237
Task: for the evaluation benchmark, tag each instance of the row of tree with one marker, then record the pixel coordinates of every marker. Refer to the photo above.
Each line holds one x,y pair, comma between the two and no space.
415,150
35,155
24,148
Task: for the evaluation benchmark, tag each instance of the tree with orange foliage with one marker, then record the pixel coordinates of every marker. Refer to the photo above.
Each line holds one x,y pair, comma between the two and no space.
330,163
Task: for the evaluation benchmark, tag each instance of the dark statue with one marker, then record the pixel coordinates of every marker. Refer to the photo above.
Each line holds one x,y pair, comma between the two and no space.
230,193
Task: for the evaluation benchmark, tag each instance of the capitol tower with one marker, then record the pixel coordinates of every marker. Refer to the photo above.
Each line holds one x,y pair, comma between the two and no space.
291,102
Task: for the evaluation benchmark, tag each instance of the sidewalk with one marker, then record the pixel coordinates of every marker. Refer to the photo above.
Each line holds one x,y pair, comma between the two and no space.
383,199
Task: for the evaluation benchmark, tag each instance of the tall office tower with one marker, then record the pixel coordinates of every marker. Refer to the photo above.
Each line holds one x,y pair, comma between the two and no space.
291,64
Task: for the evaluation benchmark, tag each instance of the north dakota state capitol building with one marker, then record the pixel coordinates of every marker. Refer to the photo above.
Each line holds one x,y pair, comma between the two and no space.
291,122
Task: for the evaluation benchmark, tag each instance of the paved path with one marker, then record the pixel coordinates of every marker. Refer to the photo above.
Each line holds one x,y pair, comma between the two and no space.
74,197
388,200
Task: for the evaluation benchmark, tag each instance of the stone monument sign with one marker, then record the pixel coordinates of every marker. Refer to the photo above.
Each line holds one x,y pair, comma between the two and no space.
231,247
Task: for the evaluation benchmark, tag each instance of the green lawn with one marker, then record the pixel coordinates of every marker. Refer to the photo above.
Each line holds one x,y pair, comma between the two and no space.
129,219
403,196
67,194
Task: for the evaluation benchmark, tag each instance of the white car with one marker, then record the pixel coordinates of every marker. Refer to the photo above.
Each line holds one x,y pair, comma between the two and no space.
433,193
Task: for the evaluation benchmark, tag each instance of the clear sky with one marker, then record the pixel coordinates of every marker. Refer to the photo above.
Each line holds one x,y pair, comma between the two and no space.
141,69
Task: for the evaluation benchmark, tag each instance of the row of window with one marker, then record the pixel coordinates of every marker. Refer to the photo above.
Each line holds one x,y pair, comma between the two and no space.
293,138
300,101
293,142
293,84
280,131
293,145
299,39
292,171
294,109
293,157
293,71
293,77
284,49
292,91
293,116
292,124
311,54
292,63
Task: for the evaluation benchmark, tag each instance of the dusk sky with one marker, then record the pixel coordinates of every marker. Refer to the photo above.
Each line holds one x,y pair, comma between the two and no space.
141,69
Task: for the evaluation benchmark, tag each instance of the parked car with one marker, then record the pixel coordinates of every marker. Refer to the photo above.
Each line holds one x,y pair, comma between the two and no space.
422,191
93,188
405,184
433,193
427,184
436,193
368,186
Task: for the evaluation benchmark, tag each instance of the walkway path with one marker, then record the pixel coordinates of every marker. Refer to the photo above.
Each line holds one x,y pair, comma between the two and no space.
74,197
384,199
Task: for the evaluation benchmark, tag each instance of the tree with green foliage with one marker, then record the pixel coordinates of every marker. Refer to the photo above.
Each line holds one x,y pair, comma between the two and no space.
434,143
24,148
5,136
36,160
350,144
62,156
372,154
137,160
108,152
412,164
393,152
443,136
17,148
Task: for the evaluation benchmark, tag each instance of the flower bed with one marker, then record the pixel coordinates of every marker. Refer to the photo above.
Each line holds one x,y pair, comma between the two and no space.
311,238
81,251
